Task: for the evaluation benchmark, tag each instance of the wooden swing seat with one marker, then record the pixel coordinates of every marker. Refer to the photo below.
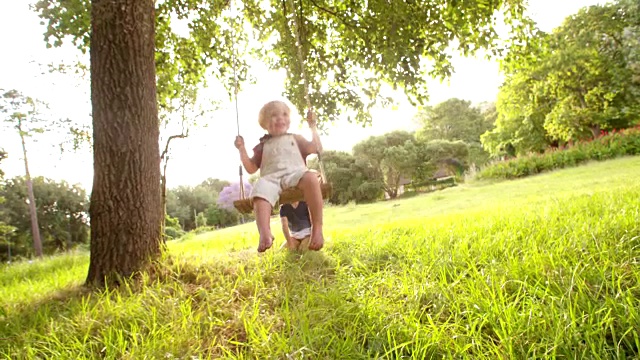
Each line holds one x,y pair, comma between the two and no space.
245,206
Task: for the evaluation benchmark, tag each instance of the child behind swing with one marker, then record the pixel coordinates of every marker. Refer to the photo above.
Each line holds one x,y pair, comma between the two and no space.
296,224
281,159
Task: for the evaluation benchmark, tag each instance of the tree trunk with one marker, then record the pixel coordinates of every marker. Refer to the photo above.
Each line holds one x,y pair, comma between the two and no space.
393,184
70,235
595,130
35,229
125,209
163,198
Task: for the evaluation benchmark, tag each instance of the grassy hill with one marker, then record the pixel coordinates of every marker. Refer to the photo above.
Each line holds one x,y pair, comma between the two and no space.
545,266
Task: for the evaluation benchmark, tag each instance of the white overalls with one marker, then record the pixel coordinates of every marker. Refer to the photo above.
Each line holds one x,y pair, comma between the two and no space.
282,167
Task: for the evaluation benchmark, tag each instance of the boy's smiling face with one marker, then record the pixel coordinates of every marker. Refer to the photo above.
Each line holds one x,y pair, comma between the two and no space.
279,120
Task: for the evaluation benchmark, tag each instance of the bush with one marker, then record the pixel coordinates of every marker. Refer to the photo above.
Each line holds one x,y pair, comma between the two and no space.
606,146
172,228
368,191
173,233
221,217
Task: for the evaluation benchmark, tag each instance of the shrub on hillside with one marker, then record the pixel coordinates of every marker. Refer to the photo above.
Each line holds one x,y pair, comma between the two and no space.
172,228
173,233
606,146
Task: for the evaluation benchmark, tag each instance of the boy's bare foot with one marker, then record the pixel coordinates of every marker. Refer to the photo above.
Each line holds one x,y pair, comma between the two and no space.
265,242
317,240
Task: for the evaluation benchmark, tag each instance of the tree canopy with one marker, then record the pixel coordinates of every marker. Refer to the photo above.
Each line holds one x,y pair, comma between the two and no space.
349,48
571,83
391,157
457,120
453,119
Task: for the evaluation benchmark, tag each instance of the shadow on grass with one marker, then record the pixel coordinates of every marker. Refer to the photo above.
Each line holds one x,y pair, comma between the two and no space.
35,317
305,300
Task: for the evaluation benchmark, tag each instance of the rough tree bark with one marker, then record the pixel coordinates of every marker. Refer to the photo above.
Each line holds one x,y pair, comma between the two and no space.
125,210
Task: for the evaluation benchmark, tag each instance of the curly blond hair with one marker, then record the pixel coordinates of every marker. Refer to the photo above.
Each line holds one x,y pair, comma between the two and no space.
267,110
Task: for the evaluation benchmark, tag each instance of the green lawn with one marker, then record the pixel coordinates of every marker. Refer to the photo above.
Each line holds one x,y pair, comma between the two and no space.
542,267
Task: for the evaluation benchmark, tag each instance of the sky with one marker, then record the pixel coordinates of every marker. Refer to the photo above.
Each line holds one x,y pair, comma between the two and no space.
208,152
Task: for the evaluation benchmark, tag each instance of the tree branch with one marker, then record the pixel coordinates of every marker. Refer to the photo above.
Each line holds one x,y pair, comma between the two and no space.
335,15
166,147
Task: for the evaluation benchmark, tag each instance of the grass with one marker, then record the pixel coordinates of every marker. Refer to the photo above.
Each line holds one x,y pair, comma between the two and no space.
544,267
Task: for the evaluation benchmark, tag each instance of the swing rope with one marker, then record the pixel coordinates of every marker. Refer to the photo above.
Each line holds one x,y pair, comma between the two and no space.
303,74
297,28
235,86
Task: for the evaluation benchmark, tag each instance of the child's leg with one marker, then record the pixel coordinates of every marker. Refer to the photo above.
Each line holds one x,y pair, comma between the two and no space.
293,244
310,187
304,244
262,209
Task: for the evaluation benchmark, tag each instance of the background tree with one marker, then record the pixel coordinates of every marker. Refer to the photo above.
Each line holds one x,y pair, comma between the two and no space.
176,209
571,83
22,114
586,71
452,119
519,126
478,155
62,211
631,37
435,155
352,180
220,218
5,229
338,166
391,157
456,119
215,185
186,202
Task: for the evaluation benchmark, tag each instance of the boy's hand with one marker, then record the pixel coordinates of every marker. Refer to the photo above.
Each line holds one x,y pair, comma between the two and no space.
311,119
239,143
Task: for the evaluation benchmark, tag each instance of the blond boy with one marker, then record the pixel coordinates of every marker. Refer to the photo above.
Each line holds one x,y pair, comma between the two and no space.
281,159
